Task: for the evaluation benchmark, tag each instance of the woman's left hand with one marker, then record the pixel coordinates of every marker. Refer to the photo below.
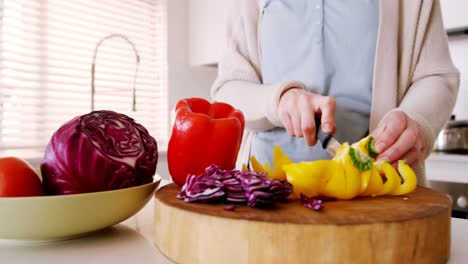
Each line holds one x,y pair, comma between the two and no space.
397,137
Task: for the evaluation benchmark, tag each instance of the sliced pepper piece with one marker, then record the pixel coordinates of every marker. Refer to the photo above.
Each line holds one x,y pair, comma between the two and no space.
371,182
366,145
391,177
268,169
360,159
280,159
336,185
370,146
352,175
244,167
408,179
307,178
365,178
256,166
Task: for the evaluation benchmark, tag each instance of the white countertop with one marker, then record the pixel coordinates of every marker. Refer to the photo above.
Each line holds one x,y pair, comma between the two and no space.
132,242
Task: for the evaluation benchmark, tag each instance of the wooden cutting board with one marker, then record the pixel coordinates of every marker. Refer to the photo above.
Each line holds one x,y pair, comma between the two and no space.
392,229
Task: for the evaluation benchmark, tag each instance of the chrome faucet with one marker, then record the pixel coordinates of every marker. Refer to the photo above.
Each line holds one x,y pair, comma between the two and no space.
93,68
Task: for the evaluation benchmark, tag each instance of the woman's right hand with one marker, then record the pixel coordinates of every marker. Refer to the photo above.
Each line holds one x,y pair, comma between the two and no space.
297,110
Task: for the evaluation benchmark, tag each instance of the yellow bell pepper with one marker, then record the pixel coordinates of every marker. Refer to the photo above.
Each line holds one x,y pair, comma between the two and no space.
349,174
408,179
308,177
391,175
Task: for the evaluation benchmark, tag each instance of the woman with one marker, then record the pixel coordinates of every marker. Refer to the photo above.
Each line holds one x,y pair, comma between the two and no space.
360,66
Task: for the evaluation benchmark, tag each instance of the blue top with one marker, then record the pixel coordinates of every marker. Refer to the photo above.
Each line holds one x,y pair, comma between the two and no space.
330,47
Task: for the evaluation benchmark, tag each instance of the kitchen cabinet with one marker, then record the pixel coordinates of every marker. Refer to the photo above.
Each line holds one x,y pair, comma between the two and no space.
458,44
207,27
455,14
447,168
447,173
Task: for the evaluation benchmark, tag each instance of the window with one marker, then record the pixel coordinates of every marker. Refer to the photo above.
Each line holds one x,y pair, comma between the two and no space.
46,52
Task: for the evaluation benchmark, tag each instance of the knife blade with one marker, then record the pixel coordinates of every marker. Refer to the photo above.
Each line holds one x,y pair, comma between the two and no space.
328,142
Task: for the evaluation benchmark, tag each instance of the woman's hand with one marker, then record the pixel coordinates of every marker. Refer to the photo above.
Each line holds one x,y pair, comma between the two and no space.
297,110
397,138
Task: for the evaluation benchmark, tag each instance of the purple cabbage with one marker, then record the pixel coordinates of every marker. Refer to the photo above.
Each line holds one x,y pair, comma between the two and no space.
234,186
99,151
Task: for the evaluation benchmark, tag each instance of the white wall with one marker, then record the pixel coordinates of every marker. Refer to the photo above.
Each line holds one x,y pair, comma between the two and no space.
184,81
207,19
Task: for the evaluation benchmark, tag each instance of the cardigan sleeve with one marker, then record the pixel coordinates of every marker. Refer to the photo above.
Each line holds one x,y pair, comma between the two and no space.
239,80
434,85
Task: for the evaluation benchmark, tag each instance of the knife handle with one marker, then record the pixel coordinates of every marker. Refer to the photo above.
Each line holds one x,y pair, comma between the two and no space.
321,136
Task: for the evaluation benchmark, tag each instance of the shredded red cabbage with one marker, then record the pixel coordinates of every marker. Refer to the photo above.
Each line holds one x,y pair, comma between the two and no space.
234,186
311,203
230,207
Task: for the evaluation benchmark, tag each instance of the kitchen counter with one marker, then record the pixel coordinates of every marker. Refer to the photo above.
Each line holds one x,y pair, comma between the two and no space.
447,168
132,242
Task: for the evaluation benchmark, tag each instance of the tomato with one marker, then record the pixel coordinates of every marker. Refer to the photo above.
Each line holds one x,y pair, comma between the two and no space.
18,178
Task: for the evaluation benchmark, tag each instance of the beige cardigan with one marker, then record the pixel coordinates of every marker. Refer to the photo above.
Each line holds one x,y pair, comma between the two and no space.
413,71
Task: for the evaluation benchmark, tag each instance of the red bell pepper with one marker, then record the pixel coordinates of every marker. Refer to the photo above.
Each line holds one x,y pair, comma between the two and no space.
203,134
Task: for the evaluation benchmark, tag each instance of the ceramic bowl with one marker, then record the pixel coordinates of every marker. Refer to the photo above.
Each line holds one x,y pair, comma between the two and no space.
60,217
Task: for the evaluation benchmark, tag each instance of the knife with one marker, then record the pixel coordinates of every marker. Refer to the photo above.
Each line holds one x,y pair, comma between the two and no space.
329,143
